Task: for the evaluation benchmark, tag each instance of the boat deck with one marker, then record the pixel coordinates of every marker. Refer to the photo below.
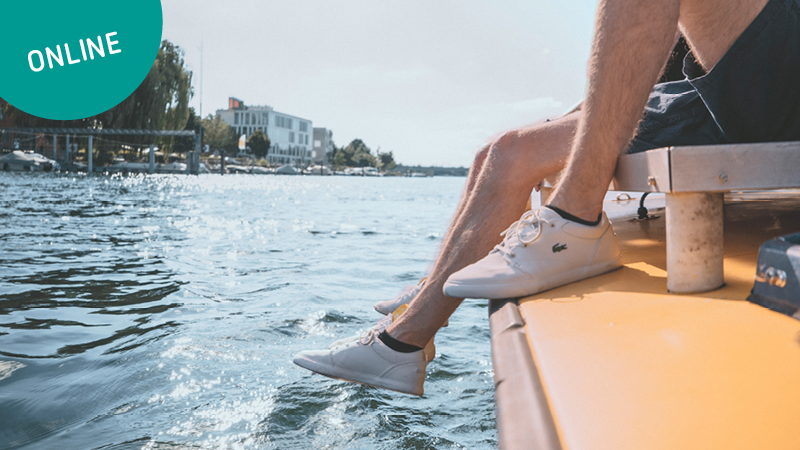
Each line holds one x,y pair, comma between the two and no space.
617,362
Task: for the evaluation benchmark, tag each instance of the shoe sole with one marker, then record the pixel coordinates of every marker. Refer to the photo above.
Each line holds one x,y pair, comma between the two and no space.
385,313
530,287
429,355
347,375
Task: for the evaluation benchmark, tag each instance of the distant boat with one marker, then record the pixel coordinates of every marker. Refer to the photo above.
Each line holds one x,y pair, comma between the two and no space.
258,170
363,172
318,170
144,167
20,161
286,169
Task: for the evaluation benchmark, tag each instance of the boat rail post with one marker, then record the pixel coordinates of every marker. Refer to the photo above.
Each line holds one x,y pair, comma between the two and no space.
196,154
152,168
89,167
694,242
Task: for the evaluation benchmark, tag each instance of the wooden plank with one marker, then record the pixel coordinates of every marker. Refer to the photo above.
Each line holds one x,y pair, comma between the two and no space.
721,168
524,420
646,172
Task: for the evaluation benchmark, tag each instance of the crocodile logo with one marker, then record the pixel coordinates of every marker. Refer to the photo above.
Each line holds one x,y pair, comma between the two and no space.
559,247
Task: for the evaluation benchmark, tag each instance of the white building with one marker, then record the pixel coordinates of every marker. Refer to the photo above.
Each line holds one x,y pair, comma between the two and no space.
323,144
290,136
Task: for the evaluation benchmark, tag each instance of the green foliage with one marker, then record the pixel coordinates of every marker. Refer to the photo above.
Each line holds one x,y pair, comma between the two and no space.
161,102
337,158
187,143
259,143
356,154
219,135
387,161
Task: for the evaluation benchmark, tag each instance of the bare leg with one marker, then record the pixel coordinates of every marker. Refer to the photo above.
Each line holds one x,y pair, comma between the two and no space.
513,165
632,40
472,180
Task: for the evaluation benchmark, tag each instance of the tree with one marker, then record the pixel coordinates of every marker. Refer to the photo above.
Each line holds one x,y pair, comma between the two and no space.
387,161
187,143
356,154
338,158
259,143
218,134
161,102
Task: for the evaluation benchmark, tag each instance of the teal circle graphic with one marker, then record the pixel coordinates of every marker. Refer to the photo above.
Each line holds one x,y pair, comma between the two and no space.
71,60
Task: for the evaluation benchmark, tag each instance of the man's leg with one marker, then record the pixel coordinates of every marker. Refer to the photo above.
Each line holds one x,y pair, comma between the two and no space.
632,40
512,166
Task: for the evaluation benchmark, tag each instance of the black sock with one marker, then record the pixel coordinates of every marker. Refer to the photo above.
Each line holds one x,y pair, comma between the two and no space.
572,218
396,345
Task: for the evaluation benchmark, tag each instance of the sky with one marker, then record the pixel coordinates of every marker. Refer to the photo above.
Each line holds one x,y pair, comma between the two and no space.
429,80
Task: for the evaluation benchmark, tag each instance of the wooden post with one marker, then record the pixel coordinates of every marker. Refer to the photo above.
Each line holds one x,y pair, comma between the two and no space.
694,242
152,169
196,155
91,143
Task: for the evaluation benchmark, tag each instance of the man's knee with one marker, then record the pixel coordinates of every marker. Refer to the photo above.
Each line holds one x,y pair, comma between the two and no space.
480,156
506,149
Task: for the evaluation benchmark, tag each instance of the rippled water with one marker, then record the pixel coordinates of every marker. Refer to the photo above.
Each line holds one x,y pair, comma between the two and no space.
162,312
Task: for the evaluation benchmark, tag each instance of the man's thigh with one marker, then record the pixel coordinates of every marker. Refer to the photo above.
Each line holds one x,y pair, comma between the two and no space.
751,95
753,92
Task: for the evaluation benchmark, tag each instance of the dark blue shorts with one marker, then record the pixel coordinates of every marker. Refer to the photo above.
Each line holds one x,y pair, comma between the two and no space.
751,95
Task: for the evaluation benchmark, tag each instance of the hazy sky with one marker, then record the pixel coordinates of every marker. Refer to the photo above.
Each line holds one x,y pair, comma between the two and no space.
430,80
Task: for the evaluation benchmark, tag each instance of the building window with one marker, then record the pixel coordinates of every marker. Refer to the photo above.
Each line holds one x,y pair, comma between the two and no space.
304,127
236,118
317,144
291,136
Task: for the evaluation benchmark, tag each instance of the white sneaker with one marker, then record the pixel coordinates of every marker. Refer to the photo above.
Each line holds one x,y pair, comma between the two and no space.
540,251
405,297
369,361
408,294
429,351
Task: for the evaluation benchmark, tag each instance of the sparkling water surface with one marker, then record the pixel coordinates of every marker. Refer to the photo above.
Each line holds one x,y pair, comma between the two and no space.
162,312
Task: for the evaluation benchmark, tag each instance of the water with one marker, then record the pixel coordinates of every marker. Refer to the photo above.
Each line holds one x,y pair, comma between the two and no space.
163,312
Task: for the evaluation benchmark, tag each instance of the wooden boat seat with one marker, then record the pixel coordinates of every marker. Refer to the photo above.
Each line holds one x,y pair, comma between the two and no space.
618,362
694,180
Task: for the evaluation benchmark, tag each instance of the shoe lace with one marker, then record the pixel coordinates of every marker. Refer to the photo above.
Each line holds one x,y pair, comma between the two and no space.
369,335
530,218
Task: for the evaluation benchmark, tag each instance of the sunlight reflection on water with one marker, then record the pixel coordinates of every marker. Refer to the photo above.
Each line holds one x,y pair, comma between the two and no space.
163,312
